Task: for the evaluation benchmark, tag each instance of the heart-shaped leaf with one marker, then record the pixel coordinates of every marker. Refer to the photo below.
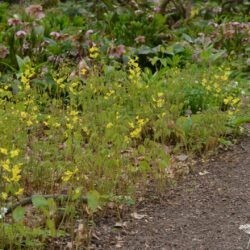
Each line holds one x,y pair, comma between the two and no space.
18,214
39,201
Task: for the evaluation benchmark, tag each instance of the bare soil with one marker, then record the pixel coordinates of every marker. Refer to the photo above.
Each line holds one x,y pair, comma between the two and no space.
204,211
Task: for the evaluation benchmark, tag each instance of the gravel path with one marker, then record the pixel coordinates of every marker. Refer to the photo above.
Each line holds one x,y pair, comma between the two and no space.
203,212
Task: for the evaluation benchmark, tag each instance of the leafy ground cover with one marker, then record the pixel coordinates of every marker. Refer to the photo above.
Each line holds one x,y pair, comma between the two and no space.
96,98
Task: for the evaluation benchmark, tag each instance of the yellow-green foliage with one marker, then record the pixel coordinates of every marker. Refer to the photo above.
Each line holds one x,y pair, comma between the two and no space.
105,130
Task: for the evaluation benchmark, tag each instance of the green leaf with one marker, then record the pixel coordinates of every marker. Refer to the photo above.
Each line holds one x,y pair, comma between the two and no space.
93,198
39,201
51,205
51,226
187,38
185,124
154,60
144,166
178,48
144,50
18,214
22,61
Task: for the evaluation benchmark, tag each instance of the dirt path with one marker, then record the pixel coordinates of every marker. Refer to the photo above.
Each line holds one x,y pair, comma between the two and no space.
203,212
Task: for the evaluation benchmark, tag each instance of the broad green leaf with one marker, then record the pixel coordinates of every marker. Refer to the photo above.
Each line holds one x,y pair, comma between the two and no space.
39,201
22,61
154,60
93,198
18,214
187,38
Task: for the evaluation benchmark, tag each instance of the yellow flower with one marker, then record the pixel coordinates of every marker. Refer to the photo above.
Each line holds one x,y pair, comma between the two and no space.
77,191
136,133
73,113
131,124
224,78
83,71
24,79
93,52
19,191
14,153
29,123
69,126
56,125
141,122
6,165
4,151
108,94
85,129
204,82
235,101
208,87
23,114
159,102
194,12
134,71
16,170
228,100
7,178
4,195
68,175
109,125
59,82
93,49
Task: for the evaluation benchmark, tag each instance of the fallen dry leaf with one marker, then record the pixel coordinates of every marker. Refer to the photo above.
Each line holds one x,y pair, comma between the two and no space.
181,157
203,173
138,216
245,228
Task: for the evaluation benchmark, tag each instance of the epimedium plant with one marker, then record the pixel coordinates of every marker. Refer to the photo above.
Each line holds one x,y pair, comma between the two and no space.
107,136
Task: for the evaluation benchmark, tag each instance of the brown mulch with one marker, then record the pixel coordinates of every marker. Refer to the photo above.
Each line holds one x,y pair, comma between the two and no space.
204,211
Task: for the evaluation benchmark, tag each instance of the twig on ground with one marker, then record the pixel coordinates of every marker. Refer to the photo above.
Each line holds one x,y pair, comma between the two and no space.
28,200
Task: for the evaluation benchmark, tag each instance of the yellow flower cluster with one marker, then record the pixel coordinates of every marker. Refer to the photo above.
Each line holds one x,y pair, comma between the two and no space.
4,92
67,176
109,125
216,83
137,127
134,71
84,71
73,87
72,119
230,100
11,173
212,87
26,75
60,82
29,118
159,100
50,122
218,86
94,52
109,93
